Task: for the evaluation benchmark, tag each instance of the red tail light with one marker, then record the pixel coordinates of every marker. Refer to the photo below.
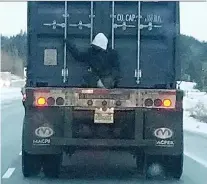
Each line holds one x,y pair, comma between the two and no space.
157,102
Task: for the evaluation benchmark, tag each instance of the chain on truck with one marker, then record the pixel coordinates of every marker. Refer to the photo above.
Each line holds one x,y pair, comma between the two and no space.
143,115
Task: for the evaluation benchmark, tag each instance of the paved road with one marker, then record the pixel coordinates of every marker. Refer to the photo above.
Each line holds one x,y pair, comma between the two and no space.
92,167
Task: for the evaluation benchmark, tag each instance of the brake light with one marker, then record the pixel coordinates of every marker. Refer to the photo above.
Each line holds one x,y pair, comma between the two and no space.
50,101
41,101
167,103
157,102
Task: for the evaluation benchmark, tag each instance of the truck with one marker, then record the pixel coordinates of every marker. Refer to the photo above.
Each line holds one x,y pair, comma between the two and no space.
143,115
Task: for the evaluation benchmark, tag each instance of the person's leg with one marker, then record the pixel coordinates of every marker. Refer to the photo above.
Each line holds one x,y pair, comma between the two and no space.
90,80
108,81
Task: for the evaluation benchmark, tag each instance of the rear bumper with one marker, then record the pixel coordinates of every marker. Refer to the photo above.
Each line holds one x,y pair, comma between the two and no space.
105,143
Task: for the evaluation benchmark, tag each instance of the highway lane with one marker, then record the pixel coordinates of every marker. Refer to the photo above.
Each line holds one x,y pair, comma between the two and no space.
97,167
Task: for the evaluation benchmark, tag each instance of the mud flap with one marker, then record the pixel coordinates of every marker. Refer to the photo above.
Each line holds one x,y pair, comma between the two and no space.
37,133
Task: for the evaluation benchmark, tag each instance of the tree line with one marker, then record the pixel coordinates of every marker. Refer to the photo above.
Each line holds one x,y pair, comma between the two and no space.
193,55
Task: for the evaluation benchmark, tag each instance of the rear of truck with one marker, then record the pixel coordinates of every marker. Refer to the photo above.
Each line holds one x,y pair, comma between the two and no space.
143,115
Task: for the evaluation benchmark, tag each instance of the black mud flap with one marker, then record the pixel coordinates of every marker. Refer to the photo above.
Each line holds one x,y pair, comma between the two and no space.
39,126
166,128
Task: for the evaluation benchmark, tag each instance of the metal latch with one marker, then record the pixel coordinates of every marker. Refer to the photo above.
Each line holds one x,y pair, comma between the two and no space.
64,72
137,74
54,24
124,26
80,25
149,26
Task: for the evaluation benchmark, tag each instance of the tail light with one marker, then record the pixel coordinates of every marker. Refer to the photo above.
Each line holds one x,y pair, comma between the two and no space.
148,102
157,102
167,103
41,101
50,101
59,101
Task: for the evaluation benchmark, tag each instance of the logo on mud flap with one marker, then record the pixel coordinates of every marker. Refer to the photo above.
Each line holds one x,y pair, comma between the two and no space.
165,143
163,133
44,132
41,142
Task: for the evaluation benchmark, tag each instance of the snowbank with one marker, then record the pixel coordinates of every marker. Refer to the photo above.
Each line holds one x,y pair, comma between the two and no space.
10,93
195,108
7,95
188,86
192,125
16,78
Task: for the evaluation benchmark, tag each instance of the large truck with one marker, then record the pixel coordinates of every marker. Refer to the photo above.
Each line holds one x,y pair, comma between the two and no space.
143,115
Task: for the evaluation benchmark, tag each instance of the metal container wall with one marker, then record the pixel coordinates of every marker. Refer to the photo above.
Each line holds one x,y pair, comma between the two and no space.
146,46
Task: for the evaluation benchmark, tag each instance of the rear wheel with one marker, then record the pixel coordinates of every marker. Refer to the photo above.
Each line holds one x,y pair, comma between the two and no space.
149,166
160,165
51,165
31,164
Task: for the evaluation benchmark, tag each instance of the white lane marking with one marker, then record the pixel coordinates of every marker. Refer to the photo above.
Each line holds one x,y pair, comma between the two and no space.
197,159
20,153
8,173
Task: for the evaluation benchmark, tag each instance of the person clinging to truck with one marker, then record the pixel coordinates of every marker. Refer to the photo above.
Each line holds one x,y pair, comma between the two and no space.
103,65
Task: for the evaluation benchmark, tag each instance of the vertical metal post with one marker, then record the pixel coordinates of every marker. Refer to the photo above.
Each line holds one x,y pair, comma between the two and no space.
138,42
112,26
91,16
65,46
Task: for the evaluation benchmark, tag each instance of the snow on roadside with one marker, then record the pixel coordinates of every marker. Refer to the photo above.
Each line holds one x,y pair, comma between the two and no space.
7,95
194,104
192,125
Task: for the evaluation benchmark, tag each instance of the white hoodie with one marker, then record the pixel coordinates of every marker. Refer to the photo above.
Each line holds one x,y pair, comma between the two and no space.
101,41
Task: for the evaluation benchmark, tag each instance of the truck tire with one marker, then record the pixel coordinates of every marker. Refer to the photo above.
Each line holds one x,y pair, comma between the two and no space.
31,164
51,165
171,166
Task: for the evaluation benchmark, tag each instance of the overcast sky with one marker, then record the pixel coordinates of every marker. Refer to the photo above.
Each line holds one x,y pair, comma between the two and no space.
193,16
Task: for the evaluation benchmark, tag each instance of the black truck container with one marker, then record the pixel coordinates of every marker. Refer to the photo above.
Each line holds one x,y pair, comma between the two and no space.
143,115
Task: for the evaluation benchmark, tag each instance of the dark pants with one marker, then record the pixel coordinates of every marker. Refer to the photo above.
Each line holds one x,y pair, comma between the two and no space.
90,80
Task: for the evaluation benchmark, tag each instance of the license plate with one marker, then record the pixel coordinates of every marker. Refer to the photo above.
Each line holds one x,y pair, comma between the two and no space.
105,117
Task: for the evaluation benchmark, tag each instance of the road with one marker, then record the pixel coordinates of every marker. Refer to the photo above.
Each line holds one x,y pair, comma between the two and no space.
92,167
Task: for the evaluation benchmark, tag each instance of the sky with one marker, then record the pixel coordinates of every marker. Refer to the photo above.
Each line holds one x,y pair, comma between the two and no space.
193,17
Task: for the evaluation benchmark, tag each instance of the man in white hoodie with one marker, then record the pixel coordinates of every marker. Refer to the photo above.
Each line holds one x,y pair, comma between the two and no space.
102,62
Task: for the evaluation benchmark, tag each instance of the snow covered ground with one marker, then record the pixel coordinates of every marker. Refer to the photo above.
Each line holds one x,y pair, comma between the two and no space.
195,105
9,94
